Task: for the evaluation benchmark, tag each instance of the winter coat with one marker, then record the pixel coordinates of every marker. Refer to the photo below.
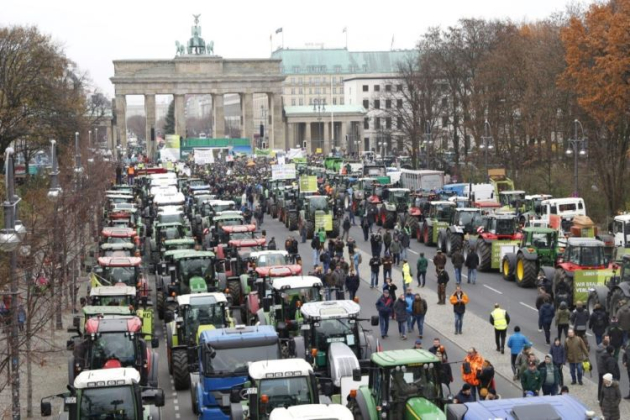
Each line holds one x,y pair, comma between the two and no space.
375,264
472,260
600,354
339,278
598,321
384,306
575,349
400,310
486,377
558,354
419,307
542,368
406,272
579,319
563,317
439,260
616,335
475,363
404,239
516,342
352,282
387,238
392,290
446,374
346,224
611,366
459,302
610,398
443,277
546,313
422,265
542,297
623,317
394,248
457,259
409,298
530,380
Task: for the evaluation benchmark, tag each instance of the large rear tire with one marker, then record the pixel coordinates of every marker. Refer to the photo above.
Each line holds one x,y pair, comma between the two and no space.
390,220
310,230
235,291
413,224
160,303
293,221
441,242
428,236
335,229
615,299
181,376
453,242
274,214
484,252
508,265
525,273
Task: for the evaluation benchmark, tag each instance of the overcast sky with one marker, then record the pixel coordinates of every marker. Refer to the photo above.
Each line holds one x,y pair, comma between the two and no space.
95,33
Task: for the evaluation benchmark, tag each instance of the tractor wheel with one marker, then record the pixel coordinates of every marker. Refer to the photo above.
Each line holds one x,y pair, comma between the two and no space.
484,251
160,300
593,300
414,226
561,275
525,273
273,211
615,299
293,221
286,219
181,376
193,399
310,230
335,229
428,236
390,220
453,242
235,291
508,265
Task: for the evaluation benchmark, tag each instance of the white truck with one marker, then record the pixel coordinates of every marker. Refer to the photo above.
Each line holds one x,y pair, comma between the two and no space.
421,179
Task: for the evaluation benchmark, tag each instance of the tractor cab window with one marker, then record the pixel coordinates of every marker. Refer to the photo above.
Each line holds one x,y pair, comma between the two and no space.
625,271
125,275
197,315
170,218
465,218
503,226
113,346
443,213
237,360
241,235
231,222
112,240
293,299
223,207
199,267
285,392
540,240
335,331
271,260
318,203
114,300
414,379
115,403
591,256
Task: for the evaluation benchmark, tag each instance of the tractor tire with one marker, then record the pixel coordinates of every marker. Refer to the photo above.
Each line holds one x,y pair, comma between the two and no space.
293,221
617,296
428,236
441,241
235,291
181,376
561,275
390,220
336,228
286,220
593,300
159,303
273,211
526,272
414,226
310,230
484,251
453,242
193,399
508,265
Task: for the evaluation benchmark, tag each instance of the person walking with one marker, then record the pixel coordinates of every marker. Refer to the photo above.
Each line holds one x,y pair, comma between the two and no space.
352,283
610,398
445,373
394,249
598,322
346,228
576,352
471,366
419,310
516,343
387,240
384,307
409,296
118,174
600,357
459,300
610,363
472,262
442,280
389,285
521,361
21,317
407,277
530,380
486,379
421,267
626,364
315,246
563,319
365,227
500,319
545,318
400,311
439,261
457,259
387,262
559,357
549,376
623,317
375,266
579,320
131,173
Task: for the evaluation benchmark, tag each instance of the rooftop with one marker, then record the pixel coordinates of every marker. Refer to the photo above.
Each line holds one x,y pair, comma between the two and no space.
308,110
392,358
107,377
285,367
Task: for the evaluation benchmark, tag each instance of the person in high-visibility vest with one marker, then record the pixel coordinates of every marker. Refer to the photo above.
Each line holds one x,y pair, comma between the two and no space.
500,319
131,172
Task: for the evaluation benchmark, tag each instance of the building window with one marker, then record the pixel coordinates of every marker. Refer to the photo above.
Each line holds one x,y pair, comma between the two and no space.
301,91
334,90
310,80
398,88
399,123
341,101
310,101
292,91
445,121
324,91
388,88
366,143
366,88
300,80
388,103
337,69
388,123
334,101
324,80
377,123
334,79
399,103
296,69
366,104
366,123
377,88
310,91
293,102
377,104
301,101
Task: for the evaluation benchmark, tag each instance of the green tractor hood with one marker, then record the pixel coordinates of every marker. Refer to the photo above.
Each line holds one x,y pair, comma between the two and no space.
421,408
198,285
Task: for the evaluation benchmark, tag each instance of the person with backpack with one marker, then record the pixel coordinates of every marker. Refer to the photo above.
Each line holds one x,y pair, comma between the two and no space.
315,246
325,259
545,318
598,322
579,320
563,319
384,307
365,226
346,228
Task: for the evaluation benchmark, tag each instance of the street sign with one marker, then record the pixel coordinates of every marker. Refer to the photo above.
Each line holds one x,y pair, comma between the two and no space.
287,171
323,220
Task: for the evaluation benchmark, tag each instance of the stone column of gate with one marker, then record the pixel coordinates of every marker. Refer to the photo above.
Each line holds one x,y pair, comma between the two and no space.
109,135
307,138
180,115
247,116
121,119
218,116
326,127
291,133
343,141
149,110
361,143
277,131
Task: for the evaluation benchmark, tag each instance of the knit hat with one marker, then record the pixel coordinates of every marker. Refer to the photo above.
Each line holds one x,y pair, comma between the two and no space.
418,341
608,377
549,356
466,387
610,349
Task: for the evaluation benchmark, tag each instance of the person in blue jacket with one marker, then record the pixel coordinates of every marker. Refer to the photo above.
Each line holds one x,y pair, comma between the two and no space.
516,342
545,318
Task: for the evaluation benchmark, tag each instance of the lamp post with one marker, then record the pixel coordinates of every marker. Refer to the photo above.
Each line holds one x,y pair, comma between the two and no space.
54,192
428,142
89,138
96,136
10,239
319,106
382,143
263,116
573,150
486,144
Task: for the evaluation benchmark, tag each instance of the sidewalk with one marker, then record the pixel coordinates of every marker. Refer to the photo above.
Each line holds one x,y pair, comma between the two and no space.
477,331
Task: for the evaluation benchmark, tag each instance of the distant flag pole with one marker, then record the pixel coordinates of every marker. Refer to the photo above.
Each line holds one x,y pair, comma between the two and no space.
392,46
278,31
345,31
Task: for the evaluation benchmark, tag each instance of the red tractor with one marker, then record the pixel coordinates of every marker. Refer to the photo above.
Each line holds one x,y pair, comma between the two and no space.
127,270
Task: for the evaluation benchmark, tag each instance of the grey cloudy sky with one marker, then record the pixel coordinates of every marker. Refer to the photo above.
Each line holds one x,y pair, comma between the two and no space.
95,33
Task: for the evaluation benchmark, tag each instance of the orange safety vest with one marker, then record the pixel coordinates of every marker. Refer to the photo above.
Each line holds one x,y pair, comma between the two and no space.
131,171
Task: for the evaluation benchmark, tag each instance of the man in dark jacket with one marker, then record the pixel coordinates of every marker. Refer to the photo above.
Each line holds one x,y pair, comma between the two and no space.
472,262
442,280
457,259
610,398
623,317
530,380
545,318
387,240
549,376
579,320
352,283
384,307
439,261
375,268
421,267
598,322
346,228
610,364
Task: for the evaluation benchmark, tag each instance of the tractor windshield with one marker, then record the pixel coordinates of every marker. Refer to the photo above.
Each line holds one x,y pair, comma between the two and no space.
285,392
223,207
400,196
127,275
114,300
467,218
443,213
175,232
318,203
112,346
271,260
541,240
170,218
199,267
294,298
237,360
419,375
241,235
231,222
112,240
335,331
586,256
204,314
111,403
505,226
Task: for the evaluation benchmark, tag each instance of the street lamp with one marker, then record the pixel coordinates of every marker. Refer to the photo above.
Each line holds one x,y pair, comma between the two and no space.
54,192
428,142
486,144
263,116
382,143
573,150
319,106
90,138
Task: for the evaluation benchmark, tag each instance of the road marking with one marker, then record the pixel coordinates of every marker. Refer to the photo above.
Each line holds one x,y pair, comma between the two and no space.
412,251
176,401
589,334
174,394
177,415
493,289
527,306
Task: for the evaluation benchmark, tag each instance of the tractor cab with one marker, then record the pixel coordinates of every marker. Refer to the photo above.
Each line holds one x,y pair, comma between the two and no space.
119,235
178,244
467,219
118,250
168,231
441,211
126,270
621,232
400,197
117,295
584,253
512,199
236,233
195,272
171,216
500,226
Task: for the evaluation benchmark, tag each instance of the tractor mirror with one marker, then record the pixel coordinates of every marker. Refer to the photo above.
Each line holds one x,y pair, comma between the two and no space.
327,388
69,344
172,274
374,321
235,395
169,316
266,304
356,375
76,322
45,408
155,342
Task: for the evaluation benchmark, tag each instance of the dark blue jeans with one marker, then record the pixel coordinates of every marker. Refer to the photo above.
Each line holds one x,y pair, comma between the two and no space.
459,322
417,319
384,323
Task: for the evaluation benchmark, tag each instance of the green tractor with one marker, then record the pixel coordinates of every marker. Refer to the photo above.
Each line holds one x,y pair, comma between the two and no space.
464,221
396,204
538,248
192,315
403,385
316,212
439,217
163,232
287,207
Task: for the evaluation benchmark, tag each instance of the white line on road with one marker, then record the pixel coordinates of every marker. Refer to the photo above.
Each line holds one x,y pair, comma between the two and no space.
527,306
589,334
493,289
412,251
177,415
176,401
